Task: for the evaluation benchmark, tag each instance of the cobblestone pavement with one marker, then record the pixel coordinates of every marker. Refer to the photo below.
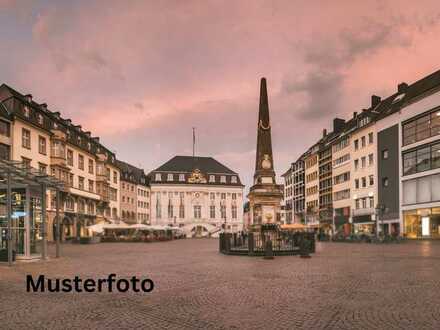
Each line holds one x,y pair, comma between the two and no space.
343,286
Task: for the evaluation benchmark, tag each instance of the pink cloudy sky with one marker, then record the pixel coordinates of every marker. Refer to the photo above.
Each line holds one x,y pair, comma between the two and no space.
140,74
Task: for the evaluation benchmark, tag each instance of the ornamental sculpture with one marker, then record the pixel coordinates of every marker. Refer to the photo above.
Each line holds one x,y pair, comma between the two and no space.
197,177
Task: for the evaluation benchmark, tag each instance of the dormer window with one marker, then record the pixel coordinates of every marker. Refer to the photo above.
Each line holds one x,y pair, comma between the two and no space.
89,145
233,179
212,178
55,125
170,177
223,179
26,111
40,119
79,139
181,177
158,177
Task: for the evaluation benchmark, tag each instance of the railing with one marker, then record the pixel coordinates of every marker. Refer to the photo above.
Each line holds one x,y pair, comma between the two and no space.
255,243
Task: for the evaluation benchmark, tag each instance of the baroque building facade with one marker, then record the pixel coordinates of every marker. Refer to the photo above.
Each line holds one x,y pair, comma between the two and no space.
198,194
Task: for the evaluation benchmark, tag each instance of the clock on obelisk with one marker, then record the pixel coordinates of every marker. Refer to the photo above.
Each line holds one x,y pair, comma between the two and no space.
265,195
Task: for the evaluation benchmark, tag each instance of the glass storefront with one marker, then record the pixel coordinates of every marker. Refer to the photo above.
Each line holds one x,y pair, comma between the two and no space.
25,228
422,223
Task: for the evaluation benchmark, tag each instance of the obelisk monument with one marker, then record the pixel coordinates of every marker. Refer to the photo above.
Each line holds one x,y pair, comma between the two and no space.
265,195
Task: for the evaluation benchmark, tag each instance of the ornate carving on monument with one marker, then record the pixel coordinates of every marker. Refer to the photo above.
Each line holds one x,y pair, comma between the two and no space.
197,177
264,128
266,162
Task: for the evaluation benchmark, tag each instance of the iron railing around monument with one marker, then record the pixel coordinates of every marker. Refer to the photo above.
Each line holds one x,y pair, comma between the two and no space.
255,243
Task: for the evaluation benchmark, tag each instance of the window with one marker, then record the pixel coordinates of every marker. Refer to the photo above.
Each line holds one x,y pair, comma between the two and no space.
40,119
341,178
71,179
26,111
170,209
26,162
370,138
197,211
170,177
223,179
363,141
42,168
234,196
69,157
340,195
364,182
181,211
223,211
212,211
385,154
223,195
364,162
182,177
371,180
158,177
356,144
385,182
81,183
81,162
421,128
341,160
356,164
212,178
370,159
26,138
91,166
423,159
233,179
356,183
115,177
70,204
212,196
5,128
91,189
234,211
42,145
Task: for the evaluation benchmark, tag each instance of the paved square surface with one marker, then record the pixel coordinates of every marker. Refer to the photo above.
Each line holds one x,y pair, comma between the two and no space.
343,286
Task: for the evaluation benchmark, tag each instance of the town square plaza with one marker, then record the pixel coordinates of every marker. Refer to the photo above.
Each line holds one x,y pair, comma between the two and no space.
343,286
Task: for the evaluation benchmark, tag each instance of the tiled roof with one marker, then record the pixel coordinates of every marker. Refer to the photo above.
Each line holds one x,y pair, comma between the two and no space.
189,163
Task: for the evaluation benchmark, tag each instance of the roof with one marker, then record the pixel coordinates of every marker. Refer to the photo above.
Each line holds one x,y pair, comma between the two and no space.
130,172
410,94
189,163
8,93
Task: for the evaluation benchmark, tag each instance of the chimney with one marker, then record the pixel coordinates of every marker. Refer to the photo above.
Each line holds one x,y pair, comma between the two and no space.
96,139
355,115
324,132
338,124
401,88
375,100
28,97
78,127
68,121
43,106
88,134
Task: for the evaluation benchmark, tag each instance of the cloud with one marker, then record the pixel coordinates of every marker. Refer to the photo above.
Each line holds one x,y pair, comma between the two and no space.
141,74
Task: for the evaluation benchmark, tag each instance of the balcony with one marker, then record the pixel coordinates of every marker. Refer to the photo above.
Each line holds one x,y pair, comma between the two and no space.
366,211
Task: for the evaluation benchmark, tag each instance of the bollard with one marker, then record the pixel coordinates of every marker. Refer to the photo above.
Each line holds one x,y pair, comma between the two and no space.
268,251
251,244
304,248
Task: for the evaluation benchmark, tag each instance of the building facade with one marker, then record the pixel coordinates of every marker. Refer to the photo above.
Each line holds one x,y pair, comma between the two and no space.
198,194
43,140
385,166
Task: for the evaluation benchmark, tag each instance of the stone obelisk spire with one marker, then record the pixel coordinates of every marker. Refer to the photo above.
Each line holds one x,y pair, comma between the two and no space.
265,195
264,157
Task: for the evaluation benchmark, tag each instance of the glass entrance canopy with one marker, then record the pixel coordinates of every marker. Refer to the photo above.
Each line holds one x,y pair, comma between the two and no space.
23,210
